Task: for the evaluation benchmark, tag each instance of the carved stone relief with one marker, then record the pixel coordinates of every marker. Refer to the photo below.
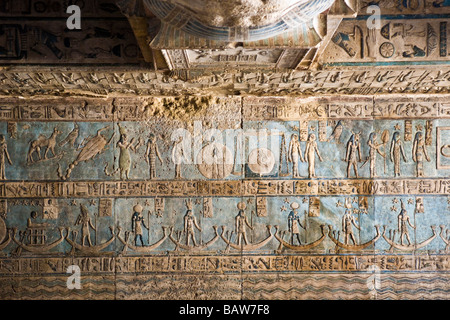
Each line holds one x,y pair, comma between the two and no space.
233,173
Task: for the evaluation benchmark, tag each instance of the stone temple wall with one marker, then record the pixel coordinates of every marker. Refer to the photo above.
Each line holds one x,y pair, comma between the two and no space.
318,170
234,197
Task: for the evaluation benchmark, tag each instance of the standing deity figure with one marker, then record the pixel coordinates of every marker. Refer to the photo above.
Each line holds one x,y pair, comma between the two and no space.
240,223
294,223
178,156
85,222
293,155
418,152
124,156
374,149
189,223
216,160
4,155
137,223
353,154
347,221
403,221
310,155
151,153
397,151
124,152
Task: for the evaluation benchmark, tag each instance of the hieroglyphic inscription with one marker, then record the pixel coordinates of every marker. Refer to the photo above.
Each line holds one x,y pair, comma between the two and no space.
95,189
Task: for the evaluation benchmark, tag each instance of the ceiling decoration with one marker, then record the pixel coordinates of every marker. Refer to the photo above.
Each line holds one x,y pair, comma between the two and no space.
249,20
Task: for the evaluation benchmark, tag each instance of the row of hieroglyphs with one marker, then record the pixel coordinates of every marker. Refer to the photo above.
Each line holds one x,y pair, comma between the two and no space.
316,187
253,108
395,41
224,264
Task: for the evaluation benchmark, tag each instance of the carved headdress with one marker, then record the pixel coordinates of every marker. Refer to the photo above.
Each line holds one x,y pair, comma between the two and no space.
188,204
348,203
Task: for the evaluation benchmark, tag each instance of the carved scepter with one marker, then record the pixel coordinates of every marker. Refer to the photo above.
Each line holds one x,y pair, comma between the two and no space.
96,233
148,226
385,139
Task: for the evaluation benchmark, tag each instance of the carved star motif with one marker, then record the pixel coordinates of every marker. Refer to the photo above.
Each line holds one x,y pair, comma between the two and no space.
146,203
394,209
419,127
73,203
395,200
159,213
312,128
197,201
410,201
338,204
355,211
305,200
92,202
283,208
397,127
295,128
250,201
286,200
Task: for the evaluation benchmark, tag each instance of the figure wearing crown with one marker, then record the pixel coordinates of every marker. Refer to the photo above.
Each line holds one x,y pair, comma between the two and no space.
241,222
347,221
137,223
190,223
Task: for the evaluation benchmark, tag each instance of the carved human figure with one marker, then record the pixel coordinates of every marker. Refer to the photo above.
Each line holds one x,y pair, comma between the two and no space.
294,223
137,223
353,154
124,155
347,221
240,224
4,155
190,222
216,159
178,156
403,221
151,153
33,224
71,137
310,155
374,148
396,151
293,155
85,221
419,151
419,205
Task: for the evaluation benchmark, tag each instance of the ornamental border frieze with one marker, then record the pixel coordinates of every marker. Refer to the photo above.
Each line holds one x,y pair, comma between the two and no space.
222,188
223,264
132,80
